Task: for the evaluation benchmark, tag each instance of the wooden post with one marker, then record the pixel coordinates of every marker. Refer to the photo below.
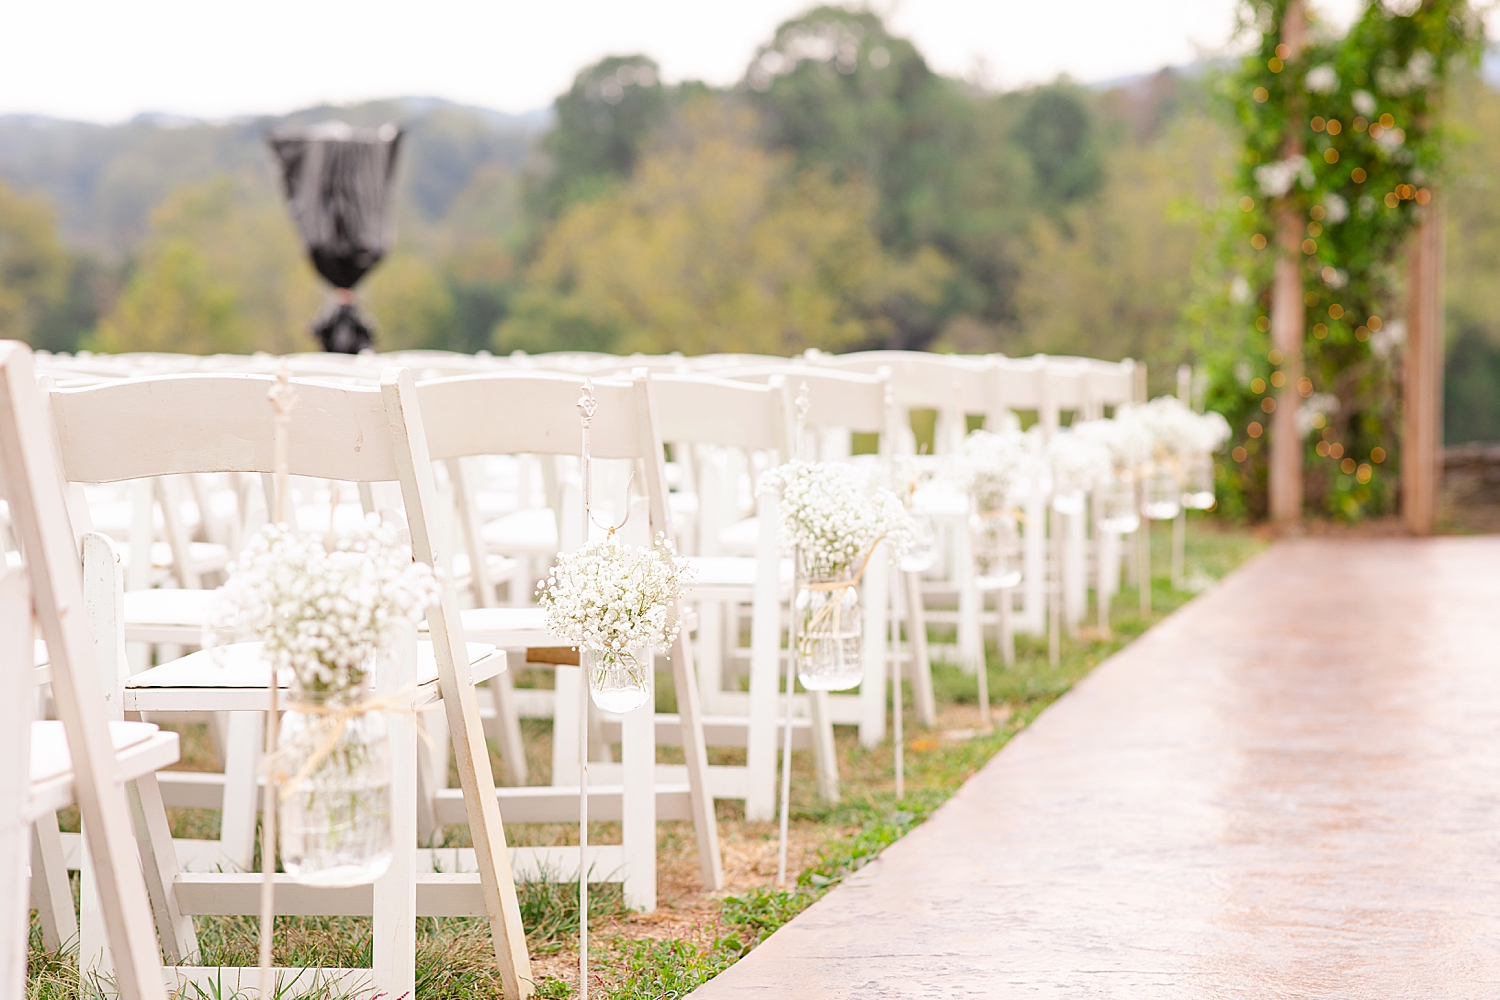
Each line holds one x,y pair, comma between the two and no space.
1288,316
1422,420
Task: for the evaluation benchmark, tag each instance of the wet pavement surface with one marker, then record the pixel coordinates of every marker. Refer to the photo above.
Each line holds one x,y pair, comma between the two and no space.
1289,788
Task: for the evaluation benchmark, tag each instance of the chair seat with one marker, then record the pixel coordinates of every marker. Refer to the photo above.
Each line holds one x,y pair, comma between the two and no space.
529,531
741,538
234,678
500,567
207,557
510,628
523,628
728,577
166,614
140,748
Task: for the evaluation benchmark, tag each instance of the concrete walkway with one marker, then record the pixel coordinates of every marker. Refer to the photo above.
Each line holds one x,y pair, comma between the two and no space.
1290,788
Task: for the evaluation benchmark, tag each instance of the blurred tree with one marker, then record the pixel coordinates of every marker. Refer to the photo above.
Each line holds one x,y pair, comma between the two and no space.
717,245
411,303
602,123
481,232
837,89
1110,277
175,304
34,267
221,270
1471,405
1057,133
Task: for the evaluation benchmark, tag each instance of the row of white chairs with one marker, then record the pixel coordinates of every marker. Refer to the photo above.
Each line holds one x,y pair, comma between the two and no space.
721,428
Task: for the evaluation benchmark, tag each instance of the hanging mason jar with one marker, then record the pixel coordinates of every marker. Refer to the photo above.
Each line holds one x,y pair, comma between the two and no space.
830,634
1119,512
335,818
619,679
923,551
1161,498
996,545
1198,483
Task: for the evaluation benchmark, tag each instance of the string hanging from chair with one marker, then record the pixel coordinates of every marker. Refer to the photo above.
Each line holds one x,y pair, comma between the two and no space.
283,399
587,406
802,404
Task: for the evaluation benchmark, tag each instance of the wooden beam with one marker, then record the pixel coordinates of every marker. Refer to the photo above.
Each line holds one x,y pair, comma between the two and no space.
1288,317
1422,392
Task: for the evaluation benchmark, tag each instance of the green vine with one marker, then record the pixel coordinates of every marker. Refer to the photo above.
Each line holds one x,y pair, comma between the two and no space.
1367,110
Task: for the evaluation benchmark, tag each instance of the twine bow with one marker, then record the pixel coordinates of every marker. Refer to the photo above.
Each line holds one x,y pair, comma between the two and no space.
322,735
835,588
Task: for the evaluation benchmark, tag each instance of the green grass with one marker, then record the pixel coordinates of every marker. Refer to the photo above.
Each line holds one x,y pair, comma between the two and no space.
455,956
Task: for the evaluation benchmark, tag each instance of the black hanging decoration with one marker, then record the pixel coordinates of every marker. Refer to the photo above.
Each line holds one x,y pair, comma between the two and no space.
337,180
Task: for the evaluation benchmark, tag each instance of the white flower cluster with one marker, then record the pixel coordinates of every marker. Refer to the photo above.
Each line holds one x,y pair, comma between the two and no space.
1079,460
1276,179
324,612
832,514
991,466
1127,439
609,596
1319,404
1175,431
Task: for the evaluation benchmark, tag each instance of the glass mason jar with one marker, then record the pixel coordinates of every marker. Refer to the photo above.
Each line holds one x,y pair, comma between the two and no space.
1198,483
924,544
830,634
336,821
619,679
996,545
1118,511
1161,497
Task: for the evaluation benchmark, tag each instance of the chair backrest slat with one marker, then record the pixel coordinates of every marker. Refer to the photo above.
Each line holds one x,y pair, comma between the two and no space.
219,423
702,409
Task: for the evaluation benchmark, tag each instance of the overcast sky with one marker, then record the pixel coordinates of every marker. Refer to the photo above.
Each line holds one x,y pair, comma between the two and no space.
108,61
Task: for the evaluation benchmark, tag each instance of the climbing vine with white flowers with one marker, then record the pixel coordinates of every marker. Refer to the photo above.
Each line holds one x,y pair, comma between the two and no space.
1367,107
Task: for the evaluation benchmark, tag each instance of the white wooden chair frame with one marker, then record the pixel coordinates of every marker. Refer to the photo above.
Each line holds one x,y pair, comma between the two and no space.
348,433
37,505
637,791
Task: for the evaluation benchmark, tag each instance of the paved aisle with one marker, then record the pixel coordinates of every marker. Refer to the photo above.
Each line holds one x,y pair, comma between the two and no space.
1290,788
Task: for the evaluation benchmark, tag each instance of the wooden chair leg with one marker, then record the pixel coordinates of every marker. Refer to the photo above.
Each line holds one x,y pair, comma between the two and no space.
242,752
394,948
565,723
695,750
174,928
921,662
638,809
51,893
508,725
874,602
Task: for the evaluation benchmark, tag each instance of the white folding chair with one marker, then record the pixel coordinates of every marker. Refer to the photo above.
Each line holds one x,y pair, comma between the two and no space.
466,416
80,757
221,423
699,412
840,405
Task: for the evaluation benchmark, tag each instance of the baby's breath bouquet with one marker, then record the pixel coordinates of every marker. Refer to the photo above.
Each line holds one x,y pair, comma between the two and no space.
617,602
325,607
832,516
990,466
325,610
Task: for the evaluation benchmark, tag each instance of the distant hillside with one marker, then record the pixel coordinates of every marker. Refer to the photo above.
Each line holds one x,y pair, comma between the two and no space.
105,179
